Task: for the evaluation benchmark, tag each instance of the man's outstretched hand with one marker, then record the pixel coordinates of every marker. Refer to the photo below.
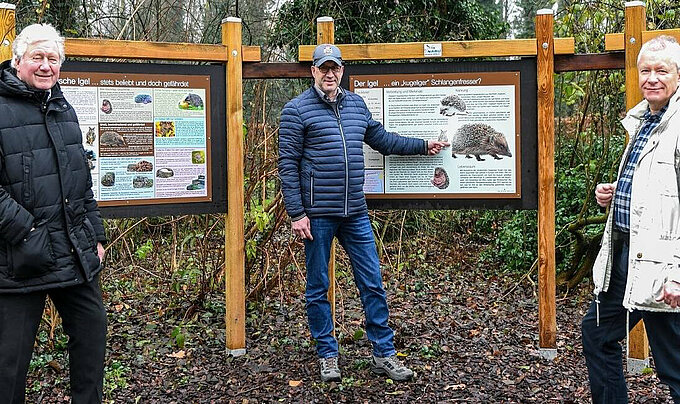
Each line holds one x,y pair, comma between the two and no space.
434,146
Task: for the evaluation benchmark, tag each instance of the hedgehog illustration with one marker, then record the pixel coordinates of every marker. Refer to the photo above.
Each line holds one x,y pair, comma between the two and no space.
191,101
90,136
440,178
111,139
452,105
477,139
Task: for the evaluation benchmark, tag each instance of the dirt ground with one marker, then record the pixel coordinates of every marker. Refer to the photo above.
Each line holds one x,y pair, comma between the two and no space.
470,337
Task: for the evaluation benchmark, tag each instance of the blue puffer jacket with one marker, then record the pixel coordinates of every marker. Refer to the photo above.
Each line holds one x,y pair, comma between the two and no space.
321,159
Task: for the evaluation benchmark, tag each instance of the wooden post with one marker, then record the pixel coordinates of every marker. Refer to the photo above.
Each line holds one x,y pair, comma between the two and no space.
234,270
325,30
7,30
546,184
325,33
638,346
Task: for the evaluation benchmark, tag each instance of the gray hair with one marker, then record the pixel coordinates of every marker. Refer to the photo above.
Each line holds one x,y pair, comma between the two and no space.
663,43
36,33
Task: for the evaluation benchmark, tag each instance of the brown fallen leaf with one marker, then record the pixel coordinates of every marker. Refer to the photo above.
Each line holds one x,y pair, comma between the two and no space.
55,365
179,354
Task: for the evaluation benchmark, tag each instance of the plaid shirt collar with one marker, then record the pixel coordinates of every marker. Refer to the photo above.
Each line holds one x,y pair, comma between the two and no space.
649,117
324,97
622,196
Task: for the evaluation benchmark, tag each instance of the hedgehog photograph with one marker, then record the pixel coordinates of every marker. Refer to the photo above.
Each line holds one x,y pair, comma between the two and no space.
452,105
192,101
106,107
440,178
476,139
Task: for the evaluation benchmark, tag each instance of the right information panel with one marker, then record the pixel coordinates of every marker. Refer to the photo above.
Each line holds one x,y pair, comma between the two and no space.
478,113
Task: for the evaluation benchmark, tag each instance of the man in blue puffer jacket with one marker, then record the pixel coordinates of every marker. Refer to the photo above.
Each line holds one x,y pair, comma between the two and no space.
321,165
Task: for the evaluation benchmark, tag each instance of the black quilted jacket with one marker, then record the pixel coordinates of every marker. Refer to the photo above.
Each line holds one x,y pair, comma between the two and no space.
49,220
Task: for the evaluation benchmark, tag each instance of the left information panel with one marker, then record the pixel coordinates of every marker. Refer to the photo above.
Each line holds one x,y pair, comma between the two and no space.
146,136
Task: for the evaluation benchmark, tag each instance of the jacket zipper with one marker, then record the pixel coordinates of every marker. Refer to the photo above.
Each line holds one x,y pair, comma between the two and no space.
336,109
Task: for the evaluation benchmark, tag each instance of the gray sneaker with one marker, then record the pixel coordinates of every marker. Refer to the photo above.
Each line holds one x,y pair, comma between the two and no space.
392,367
330,372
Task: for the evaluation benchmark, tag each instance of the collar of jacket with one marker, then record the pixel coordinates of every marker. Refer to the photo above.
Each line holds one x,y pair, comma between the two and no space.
635,116
13,86
324,97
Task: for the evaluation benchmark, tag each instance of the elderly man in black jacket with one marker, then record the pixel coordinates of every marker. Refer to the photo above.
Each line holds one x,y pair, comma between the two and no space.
51,232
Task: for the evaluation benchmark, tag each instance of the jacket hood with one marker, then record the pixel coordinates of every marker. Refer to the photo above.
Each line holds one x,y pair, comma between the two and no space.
12,86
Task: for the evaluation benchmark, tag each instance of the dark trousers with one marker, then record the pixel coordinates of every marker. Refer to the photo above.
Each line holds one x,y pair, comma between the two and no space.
601,344
84,320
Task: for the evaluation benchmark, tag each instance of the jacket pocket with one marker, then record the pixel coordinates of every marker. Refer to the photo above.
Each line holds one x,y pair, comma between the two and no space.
648,277
89,232
32,256
311,188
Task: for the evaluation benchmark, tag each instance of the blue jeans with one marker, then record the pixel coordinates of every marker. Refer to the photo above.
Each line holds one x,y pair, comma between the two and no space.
601,343
356,237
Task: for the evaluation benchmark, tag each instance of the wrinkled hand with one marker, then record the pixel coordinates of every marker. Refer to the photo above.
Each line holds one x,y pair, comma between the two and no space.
670,294
302,228
100,252
434,146
604,194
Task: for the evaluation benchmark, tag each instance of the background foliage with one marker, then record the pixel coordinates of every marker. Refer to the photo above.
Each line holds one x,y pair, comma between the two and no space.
588,107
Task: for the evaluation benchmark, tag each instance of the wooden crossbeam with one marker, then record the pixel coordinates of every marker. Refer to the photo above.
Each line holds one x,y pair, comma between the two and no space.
615,42
109,48
452,49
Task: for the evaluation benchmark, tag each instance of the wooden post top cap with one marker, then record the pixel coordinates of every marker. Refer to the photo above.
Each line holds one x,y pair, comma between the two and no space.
8,6
231,19
324,19
635,3
545,11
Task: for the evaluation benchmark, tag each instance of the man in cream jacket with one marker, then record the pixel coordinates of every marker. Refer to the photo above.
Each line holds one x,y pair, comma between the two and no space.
637,271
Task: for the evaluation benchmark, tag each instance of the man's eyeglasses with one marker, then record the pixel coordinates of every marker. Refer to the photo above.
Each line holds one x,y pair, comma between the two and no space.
324,69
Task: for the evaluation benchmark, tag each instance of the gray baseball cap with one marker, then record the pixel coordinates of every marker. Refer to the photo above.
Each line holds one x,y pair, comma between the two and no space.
326,52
